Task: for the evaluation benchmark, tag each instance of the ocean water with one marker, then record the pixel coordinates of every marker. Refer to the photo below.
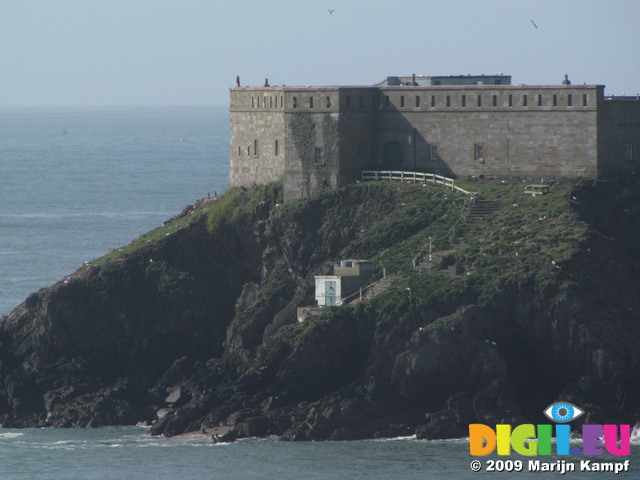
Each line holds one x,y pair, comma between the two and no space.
117,453
76,183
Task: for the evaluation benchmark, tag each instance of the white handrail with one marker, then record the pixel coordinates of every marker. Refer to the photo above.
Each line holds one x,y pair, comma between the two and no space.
403,176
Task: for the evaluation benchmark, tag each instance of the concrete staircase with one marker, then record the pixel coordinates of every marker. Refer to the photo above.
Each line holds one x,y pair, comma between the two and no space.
479,209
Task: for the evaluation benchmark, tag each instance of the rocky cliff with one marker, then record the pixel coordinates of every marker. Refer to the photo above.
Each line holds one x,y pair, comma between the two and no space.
194,324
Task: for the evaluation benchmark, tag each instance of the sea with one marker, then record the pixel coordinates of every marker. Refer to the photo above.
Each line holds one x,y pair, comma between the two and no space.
76,183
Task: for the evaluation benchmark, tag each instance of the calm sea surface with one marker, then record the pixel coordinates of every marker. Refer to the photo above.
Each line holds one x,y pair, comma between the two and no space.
76,183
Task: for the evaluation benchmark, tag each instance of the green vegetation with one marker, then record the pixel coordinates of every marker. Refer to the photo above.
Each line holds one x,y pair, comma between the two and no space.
238,203
235,205
524,243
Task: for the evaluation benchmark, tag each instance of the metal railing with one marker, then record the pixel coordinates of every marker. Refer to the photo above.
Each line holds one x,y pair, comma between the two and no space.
373,280
421,177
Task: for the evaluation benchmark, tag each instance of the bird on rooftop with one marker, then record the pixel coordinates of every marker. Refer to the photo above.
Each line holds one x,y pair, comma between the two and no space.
331,12
534,24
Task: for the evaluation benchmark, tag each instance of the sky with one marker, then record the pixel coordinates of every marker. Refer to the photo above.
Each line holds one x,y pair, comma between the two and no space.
188,52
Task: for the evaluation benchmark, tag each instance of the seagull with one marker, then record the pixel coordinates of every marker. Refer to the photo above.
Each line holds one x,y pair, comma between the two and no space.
534,24
331,12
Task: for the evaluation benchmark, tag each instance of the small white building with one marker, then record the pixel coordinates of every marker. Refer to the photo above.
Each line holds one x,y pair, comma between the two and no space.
346,280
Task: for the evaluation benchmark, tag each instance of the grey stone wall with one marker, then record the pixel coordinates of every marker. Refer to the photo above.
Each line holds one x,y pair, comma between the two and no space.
619,121
257,141
519,131
319,139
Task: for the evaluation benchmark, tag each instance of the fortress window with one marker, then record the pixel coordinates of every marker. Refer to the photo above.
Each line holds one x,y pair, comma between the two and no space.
253,102
239,152
270,102
569,100
258,102
281,101
464,100
402,100
248,151
584,100
310,102
319,156
525,100
628,152
328,102
555,100
539,100
276,148
479,103
255,147
511,100
433,152
478,151
448,100
495,100
295,102
433,100
417,101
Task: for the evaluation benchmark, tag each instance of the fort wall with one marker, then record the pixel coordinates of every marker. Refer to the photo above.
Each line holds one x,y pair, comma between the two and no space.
320,138
619,131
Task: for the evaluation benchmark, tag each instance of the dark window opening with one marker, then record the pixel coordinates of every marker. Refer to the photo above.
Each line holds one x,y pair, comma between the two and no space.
478,151
628,152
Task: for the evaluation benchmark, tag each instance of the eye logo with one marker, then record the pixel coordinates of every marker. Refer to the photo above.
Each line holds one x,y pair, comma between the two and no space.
562,412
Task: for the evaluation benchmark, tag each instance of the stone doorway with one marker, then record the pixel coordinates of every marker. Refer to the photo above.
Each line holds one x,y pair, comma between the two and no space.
393,155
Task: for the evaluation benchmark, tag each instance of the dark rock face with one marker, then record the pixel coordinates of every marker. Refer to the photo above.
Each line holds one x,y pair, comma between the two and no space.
199,330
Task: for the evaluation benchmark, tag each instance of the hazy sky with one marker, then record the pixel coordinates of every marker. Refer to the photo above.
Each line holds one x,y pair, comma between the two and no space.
188,52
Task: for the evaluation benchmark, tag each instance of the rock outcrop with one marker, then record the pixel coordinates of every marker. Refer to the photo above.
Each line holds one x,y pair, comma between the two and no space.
195,327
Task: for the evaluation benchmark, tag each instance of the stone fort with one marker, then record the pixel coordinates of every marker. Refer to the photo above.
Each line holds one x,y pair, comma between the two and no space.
321,138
